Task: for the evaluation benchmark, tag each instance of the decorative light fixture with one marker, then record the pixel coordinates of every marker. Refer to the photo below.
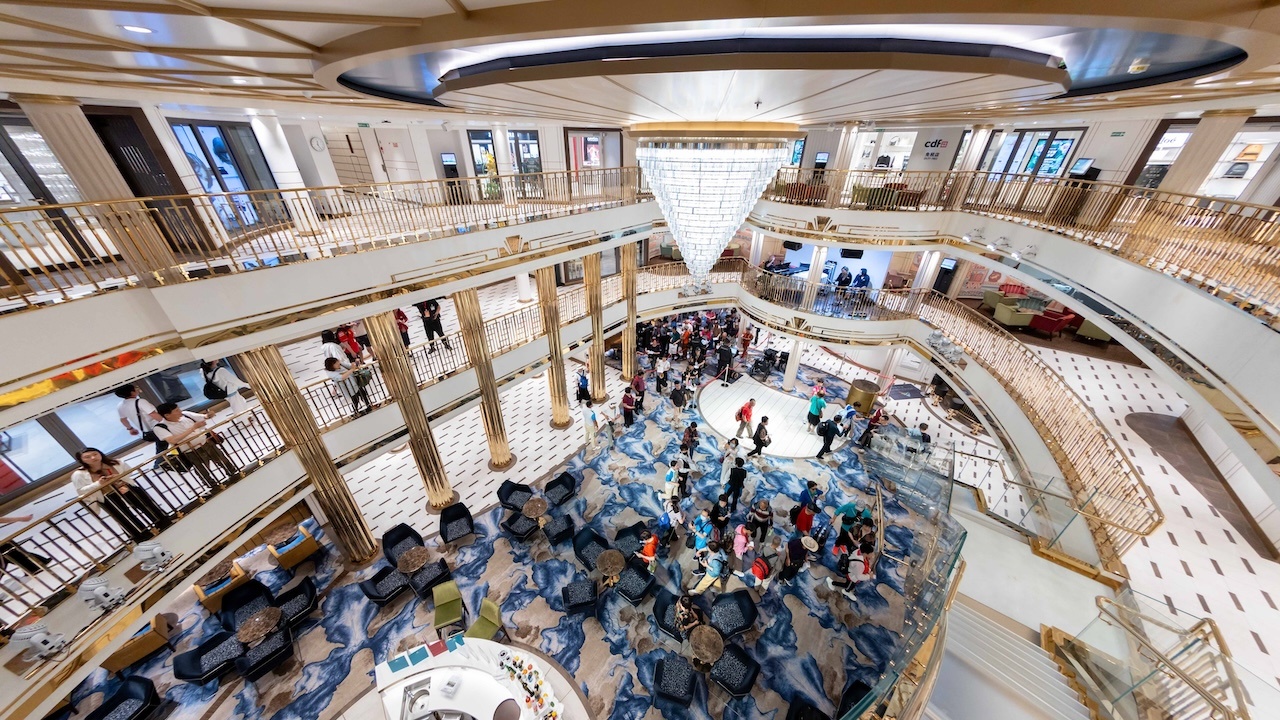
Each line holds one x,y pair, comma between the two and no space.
1001,244
1026,253
706,177
975,235
136,29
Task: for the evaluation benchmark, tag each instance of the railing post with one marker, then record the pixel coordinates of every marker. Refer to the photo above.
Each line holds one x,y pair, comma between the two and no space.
398,375
595,306
473,336
267,372
557,386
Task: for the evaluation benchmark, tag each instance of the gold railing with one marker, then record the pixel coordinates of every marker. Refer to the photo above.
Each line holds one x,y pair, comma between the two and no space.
1230,249
52,253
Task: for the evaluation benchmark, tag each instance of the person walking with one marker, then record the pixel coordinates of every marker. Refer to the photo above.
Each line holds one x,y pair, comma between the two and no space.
678,400
816,405
661,370
716,569
874,421
761,436
743,416
795,557
760,520
222,384
628,408
737,482
828,430
132,507
138,415
742,547
590,424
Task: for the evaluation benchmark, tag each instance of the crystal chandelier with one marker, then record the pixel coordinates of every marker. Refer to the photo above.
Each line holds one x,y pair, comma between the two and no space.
706,177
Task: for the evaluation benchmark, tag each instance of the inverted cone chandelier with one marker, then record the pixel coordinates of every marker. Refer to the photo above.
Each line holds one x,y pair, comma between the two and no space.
706,177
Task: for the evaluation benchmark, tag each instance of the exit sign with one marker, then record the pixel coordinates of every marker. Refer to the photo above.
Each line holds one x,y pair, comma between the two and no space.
360,125
1118,133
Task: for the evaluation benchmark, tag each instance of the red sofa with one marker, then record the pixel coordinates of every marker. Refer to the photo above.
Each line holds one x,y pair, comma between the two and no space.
1051,323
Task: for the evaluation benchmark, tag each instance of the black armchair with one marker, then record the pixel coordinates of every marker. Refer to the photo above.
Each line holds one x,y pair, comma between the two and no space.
664,613
561,489
134,700
801,709
241,603
209,661
298,603
514,495
456,523
852,695
266,656
579,597
397,540
384,586
735,671
560,528
587,545
733,613
627,540
429,576
634,584
675,680
519,526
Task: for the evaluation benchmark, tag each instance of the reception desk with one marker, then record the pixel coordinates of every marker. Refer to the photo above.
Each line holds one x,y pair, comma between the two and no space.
472,678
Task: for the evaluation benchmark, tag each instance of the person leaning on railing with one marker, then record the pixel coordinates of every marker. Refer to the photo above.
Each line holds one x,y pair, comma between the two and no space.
196,446
352,382
106,484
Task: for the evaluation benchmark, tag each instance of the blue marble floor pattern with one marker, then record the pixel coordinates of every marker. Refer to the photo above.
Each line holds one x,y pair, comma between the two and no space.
810,641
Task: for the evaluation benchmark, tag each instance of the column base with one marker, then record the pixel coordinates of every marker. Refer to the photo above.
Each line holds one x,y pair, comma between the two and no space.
601,399
434,510
525,300
510,461
567,424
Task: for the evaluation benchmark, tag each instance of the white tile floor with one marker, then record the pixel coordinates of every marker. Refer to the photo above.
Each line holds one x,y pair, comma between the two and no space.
787,416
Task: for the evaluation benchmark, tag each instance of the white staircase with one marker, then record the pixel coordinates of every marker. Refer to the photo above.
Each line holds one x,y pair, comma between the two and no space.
993,673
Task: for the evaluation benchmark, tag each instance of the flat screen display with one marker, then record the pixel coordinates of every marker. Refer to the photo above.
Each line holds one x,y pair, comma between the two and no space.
448,158
821,157
948,264
1080,166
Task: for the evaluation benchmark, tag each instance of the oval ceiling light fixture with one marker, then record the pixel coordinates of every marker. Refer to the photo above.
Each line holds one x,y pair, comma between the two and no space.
706,177
137,29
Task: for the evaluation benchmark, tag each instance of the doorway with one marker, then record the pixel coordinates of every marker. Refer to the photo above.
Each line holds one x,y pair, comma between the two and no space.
593,148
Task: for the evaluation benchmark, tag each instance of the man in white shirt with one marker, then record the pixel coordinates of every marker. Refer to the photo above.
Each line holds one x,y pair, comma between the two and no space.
187,432
138,415
590,424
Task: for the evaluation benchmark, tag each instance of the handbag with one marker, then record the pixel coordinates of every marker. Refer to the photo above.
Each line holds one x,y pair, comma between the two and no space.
363,377
211,389
148,435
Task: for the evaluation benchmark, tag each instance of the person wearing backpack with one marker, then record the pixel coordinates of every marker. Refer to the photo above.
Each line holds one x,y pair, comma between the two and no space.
761,437
584,386
828,430
138,415
743,416
222,384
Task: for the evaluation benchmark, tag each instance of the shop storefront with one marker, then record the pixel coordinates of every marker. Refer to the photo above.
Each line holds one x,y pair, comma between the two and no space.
227,159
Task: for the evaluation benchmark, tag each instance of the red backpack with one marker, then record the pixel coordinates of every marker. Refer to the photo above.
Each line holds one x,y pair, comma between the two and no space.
760,568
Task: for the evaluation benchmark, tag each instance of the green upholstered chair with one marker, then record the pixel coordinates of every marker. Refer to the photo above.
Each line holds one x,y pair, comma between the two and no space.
992,298
488,623
450,609
1012,316
1092,332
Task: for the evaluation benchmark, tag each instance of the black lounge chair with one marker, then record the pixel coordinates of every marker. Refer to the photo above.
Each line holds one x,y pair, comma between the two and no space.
675,680
587,545
559,529
134,700
456,523
560,490
242,603
266,656
213,658
801,709
664,612
580,597
733,613
384,586
298,603
429,576
398,540
514,495
627,540
519,526
852,695
634,584
735,671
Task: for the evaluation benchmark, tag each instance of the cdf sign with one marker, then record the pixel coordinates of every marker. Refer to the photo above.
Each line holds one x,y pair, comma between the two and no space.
936,150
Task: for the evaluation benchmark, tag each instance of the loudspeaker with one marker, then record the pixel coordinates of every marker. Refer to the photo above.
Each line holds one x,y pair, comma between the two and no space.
790,245
850,254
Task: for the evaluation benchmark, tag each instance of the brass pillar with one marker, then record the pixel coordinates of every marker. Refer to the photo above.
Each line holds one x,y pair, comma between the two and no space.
595,307
467,306
266,371
629,261
398,374
549,303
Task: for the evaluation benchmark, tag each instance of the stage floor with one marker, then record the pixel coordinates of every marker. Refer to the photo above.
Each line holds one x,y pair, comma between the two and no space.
787,416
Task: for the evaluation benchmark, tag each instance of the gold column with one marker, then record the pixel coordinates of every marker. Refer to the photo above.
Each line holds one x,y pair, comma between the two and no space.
549,302
595,307
398,375
266,371
629,261
467,306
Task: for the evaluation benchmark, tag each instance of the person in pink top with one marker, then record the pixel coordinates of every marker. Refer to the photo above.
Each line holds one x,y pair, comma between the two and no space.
742,545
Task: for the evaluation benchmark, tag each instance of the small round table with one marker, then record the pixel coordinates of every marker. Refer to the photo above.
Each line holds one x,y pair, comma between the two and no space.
281,535
707,645
259,625
217,574
412,560
611,564
534,509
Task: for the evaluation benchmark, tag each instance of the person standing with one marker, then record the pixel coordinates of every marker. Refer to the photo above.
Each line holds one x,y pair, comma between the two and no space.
347,339
628,408
746,339
816,405
402,325
331,348
742,547
716,569
584,386
828,430
131,506
349,381
797,554
702,529
737,482
224,384
638,386
731,451
690,440
678,400
661,369
138,415
743,416
760,520
433,323
590,424
195,444
761,436
362,337
875,420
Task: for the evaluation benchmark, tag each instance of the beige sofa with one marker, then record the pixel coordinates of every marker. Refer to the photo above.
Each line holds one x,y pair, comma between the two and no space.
1013,316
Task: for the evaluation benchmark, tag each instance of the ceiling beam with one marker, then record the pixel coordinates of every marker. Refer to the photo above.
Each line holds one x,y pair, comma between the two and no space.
102,47
458,8
226,13
249,25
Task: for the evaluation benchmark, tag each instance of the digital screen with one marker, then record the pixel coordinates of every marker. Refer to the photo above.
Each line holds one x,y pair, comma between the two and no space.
1052,165
449,158
948,264
1080,166
821,157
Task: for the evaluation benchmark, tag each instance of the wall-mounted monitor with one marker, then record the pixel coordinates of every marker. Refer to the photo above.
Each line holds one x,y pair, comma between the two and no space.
821,157
448,158
948,264
1080,166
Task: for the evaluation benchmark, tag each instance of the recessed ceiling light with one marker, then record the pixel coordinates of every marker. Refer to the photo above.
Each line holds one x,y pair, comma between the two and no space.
1245,82
239,80
136,29
1175,97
